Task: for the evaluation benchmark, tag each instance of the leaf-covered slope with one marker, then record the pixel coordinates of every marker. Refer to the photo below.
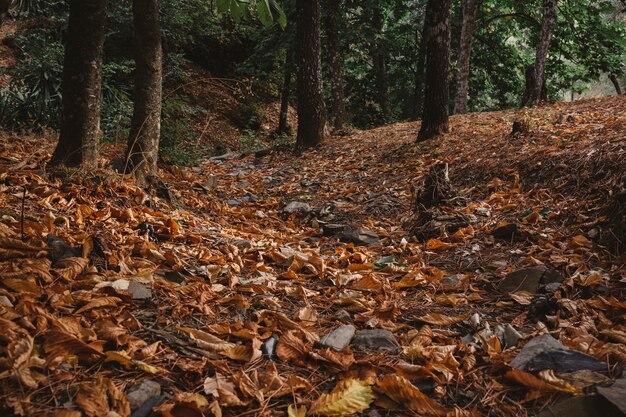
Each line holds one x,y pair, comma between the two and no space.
220,291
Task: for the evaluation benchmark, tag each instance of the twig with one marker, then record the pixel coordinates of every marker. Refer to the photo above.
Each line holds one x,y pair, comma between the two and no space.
22,215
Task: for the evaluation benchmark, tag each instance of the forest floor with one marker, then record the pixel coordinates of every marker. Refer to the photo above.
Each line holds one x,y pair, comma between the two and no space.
212,291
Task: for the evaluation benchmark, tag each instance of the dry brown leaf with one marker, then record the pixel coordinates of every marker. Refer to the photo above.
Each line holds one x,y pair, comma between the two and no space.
402,392
99,303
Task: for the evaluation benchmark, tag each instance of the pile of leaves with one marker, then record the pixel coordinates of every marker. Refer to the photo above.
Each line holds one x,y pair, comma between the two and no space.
214,291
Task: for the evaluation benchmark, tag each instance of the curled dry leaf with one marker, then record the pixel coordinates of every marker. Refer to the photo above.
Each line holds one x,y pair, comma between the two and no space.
349,396
401,391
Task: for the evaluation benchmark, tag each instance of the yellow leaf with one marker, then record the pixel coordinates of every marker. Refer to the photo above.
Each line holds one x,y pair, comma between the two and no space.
438,319
294,411
349,396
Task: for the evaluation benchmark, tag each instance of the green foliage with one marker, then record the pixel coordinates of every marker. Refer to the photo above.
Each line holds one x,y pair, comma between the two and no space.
32,100
176,134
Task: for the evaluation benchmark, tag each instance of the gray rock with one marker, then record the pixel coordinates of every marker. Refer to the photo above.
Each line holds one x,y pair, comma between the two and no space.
545,352
583,379
376,339
586,406
344,316
511,336
615,394
339,338
359,236
297,207
529,279
139,394
139,291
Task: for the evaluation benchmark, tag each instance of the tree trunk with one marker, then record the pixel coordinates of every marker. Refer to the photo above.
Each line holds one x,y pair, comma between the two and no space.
535,92
615,82
82,76
420,36
470,9
145,131
435,120
311,108
380,61
335,64
283,121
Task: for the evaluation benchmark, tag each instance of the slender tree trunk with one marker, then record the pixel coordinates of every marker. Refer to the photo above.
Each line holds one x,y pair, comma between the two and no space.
615,82
435,120
420,36
470,9
145,131
336,73
538,80
82,76
311,108
380,61
283,120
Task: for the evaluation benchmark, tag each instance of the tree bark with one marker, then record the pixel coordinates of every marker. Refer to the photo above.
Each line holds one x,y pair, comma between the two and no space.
82,76
470,9
283,120
311,108
436,100
380,60
145,131
535,93
615,82
420,37
335,64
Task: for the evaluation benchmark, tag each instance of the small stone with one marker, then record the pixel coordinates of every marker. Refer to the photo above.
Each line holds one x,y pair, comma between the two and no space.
586,406
511,336
545,352
529,279
359,236
344,316
138,395
615,394
375,339
481,211
139,291
297,207
585,378
339,338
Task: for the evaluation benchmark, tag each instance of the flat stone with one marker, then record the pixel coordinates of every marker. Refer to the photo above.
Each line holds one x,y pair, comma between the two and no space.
587,406
344,316
545,352
376,339
529,279
615,394
360,237
297,207
139,394
339,338
139,291
511,336
584,379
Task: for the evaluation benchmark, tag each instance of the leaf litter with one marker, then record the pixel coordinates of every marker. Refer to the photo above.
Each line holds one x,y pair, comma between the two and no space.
219,300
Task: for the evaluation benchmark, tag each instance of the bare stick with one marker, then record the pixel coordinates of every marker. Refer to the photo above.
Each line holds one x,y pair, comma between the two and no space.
22,216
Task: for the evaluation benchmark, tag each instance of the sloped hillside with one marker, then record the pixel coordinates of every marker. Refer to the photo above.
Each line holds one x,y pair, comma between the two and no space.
219,284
